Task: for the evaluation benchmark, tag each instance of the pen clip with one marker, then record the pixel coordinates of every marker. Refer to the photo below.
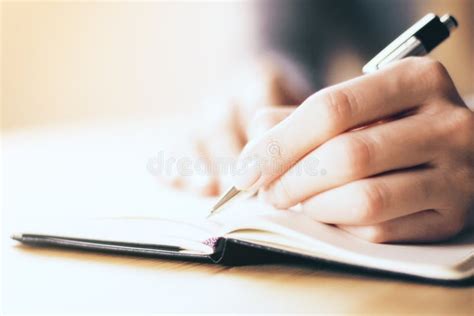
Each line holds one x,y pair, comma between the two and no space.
374,63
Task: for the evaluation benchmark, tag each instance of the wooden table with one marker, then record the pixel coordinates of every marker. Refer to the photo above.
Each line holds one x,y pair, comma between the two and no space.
102,171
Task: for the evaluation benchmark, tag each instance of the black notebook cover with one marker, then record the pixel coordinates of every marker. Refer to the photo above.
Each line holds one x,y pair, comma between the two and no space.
227,251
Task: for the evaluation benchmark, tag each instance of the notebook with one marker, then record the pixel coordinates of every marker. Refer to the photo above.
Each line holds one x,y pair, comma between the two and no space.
254,233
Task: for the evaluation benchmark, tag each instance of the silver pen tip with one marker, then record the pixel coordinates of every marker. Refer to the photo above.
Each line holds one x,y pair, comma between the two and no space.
18,237
226,197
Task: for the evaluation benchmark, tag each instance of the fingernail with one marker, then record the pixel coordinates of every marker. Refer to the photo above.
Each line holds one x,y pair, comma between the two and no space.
265,195
274,194
247,175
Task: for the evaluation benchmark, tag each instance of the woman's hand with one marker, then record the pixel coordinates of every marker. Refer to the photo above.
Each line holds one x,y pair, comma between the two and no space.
387,156
256,104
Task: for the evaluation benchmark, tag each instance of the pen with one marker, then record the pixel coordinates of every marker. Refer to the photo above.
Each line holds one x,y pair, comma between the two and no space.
418,40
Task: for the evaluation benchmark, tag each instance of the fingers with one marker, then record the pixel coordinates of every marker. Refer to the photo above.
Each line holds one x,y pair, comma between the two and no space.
356,155
342,107
423,226
221,151
378,199
202,181
187,170
205,168
267,118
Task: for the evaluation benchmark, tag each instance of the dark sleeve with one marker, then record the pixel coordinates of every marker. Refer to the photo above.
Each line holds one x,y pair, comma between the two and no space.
310,31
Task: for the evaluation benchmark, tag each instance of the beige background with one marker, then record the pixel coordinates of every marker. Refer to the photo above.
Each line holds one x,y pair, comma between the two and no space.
68,63
65,62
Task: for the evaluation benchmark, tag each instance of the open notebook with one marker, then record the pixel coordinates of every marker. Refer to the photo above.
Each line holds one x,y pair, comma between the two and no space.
252,233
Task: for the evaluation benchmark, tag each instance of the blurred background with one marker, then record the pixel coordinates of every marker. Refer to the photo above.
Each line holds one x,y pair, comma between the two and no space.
66,62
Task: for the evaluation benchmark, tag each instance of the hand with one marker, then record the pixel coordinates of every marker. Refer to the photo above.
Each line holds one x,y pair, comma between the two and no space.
394,152
225,128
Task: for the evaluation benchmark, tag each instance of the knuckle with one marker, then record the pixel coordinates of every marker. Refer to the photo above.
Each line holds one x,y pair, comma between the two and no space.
372,201
435,74
455,222
282,197
339,106
376,234
358,153
461,127
424,187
